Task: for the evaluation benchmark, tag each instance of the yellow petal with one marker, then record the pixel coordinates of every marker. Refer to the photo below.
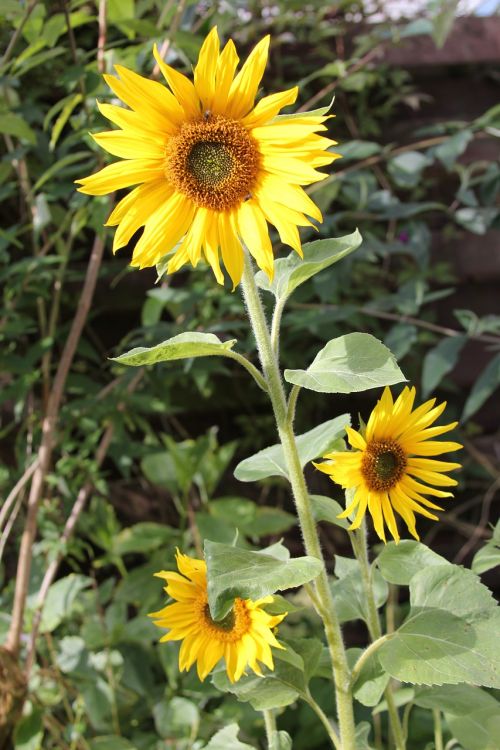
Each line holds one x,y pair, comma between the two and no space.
253,230
275,188
224,75
120,175
269,106
130,145
182,87
204,72
245,85
231,249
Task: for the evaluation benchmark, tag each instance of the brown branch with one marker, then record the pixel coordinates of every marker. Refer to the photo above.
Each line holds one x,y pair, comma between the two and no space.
397,318
173,28
330,87
69,528
101,40
46,447
11,497
17,33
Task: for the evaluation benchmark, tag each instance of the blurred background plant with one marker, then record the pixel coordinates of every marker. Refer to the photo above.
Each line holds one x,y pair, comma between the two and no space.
135,463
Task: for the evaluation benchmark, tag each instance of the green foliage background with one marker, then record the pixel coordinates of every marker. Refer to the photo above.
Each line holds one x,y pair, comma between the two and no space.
101,681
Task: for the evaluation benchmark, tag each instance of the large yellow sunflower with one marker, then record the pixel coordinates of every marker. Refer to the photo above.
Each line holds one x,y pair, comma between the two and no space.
212,168
390,463
244,637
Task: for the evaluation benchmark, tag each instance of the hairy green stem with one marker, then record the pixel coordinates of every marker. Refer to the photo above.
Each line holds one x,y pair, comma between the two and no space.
438,730
275,325
358,540
271,730
335,740
272,375
248,366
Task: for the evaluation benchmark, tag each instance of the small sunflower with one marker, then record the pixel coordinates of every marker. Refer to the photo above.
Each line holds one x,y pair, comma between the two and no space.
390,463
244,637
212,168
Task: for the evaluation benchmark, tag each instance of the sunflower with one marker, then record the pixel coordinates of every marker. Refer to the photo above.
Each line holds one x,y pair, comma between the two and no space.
211,166
390,464
244,637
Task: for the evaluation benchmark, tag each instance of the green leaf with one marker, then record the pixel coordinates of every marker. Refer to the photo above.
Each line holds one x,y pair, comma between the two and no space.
484,386
111,742
327,509
63,118
371,681
472,714
406,169
11,124
291,272
357,149
61,598
234,572
176,716
435,647
398,563
261,692
142,538
29,732
350,363
450,588
439,361
489,556
476,220
270,462
449,151
293,668
363,731
183,346
348,591
227,739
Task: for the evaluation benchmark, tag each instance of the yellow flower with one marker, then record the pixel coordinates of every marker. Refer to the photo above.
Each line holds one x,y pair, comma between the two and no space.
390,464
211,166
244,637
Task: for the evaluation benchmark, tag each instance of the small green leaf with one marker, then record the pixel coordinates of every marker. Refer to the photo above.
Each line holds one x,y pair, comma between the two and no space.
351,363
489,556
449,151
439,361
227,739
435,647
291,272
327,509
398,563
11,124
60,600
406,169
483,388
349,593
63,118
176,716
111,742
371,680
357,150
183,346
270,462
29,732
234,572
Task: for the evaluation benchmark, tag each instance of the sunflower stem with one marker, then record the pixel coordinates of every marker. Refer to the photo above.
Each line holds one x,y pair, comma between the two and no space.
270,368
275,325
271,729
334,738
438,730
360,548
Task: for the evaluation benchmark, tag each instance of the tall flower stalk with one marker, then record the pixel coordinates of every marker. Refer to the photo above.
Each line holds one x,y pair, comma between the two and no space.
284,425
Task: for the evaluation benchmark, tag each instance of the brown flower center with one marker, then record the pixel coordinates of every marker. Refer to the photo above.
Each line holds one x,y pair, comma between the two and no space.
232,627
214,161
383,464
